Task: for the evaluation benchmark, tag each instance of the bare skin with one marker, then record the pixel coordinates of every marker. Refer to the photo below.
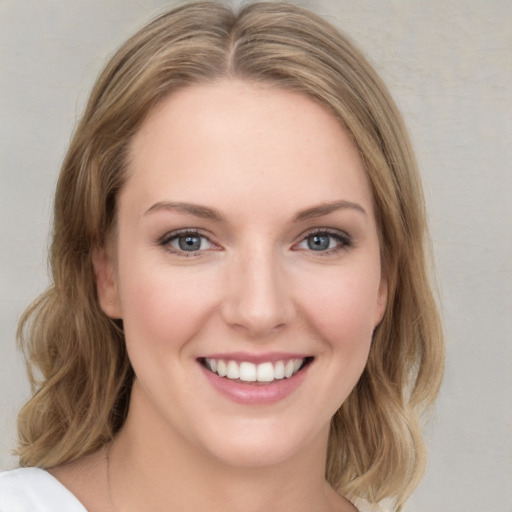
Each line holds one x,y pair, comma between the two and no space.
88,478
283,258
126,476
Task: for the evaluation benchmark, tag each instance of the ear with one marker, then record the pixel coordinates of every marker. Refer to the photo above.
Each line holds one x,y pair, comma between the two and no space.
106,283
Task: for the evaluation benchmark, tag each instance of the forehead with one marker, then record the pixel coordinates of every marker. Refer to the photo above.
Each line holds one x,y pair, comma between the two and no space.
221,140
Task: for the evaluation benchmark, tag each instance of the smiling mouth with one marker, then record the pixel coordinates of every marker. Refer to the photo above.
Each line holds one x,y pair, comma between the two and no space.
247,372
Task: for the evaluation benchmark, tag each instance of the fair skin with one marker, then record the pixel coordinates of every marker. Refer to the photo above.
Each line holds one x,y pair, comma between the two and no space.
245,237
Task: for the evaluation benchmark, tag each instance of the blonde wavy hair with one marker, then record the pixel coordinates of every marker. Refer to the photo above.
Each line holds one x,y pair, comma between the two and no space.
76,356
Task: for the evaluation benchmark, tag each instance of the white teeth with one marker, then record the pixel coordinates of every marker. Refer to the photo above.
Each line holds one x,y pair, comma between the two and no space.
221,368
288,369
247,372
233,370
265,372
250,372
279,370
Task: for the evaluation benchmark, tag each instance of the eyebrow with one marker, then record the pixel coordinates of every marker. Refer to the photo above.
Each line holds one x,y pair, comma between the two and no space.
326,208
211,214
190,208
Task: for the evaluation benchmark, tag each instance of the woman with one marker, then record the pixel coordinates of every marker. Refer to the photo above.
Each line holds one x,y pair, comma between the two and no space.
241,315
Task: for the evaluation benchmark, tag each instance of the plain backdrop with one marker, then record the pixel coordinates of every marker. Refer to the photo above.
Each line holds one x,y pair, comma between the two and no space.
448,64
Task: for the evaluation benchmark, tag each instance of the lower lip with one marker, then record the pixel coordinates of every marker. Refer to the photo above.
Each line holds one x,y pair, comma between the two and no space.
255,394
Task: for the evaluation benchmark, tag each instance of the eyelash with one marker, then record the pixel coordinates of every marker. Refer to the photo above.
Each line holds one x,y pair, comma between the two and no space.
166,240
343,241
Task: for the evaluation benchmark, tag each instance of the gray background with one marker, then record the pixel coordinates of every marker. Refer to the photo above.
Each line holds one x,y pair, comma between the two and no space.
449,66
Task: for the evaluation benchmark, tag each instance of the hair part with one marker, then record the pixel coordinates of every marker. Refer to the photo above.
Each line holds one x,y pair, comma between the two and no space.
76,358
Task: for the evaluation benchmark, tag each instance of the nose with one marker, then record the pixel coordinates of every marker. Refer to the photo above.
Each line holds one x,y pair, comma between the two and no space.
257,298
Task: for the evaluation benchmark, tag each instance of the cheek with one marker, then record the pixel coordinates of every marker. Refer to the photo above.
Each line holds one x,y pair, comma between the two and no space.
163,307
341,315
342,307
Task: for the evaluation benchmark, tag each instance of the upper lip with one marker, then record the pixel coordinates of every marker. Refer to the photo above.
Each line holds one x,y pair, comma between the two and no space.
271,357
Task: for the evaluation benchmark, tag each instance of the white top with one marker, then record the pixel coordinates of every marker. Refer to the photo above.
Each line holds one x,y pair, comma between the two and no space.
35,490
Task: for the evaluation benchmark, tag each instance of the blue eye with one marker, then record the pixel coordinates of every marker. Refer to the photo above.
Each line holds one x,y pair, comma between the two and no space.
325,241
186,242
189,242
319,242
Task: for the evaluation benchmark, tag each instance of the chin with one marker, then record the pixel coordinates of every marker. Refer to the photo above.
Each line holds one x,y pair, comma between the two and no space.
257,455
262,445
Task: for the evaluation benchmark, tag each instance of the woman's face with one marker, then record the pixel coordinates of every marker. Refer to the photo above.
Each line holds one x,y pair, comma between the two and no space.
246,244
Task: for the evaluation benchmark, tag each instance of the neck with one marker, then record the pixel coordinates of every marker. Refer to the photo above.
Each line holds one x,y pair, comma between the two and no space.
154,467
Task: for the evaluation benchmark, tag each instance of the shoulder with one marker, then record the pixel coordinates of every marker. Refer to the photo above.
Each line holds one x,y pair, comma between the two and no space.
35,490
